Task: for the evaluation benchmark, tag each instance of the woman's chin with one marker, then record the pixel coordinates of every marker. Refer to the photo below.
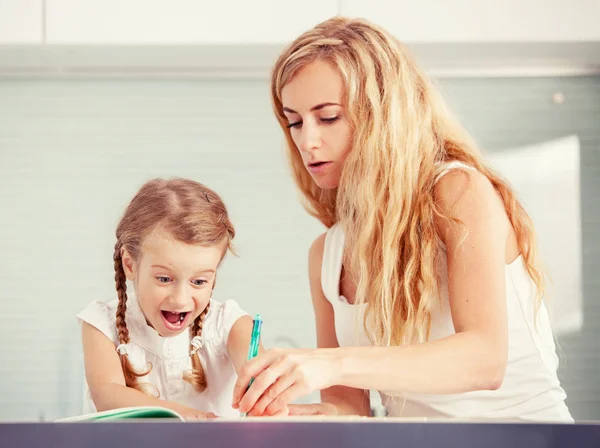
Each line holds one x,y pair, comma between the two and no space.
326,183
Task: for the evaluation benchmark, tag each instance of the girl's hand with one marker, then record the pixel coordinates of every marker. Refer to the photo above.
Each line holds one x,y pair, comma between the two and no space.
280,377
191,414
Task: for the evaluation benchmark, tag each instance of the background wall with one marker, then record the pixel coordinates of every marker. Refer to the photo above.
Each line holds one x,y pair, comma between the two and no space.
72,153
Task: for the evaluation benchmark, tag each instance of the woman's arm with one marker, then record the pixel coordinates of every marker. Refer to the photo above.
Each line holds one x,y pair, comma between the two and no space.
475,357
345,400
336,400
104,376
472,359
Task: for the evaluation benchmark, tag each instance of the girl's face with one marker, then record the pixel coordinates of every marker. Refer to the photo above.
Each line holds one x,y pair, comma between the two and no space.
313,104
173,280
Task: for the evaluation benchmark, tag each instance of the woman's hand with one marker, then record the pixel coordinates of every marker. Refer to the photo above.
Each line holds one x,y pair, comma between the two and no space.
312,409
280,377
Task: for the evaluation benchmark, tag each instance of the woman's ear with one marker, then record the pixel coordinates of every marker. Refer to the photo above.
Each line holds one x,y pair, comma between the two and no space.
128,264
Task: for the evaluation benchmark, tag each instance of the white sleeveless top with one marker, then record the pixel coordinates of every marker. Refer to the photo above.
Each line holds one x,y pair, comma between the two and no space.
170,356
530,389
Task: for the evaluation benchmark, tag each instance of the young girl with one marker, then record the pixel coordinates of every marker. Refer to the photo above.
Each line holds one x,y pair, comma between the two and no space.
169,344
426,285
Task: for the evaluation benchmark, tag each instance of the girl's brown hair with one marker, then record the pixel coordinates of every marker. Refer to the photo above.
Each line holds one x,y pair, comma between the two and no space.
191,213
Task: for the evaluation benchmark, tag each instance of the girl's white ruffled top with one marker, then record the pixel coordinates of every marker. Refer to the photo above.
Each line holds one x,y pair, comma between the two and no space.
170,356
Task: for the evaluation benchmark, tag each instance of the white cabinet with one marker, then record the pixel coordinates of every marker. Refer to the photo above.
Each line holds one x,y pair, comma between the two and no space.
484,21
21,22
182,21
245,36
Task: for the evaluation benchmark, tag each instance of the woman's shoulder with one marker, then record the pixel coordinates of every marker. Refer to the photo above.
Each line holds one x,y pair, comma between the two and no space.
458,182
317,246
334,236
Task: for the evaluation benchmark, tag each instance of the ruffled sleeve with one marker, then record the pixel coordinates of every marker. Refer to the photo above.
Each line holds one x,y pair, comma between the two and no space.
101,315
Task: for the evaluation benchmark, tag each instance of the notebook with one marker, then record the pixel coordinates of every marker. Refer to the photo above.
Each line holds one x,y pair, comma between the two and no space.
136,412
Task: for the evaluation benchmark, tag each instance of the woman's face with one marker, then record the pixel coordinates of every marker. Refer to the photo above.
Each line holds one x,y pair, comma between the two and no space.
319,126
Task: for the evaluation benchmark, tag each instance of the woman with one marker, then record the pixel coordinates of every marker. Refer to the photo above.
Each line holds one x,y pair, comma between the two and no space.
426,285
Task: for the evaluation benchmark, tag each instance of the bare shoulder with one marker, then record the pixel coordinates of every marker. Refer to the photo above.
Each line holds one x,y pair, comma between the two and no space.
462,186
468,197
315,254
317,247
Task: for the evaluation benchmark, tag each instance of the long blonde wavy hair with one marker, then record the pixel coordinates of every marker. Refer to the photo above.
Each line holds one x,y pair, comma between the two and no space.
402,133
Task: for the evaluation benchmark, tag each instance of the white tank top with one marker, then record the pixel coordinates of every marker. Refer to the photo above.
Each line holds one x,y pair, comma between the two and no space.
530,389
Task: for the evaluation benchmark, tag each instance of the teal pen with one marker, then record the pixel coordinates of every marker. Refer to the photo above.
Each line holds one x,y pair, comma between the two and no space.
254,344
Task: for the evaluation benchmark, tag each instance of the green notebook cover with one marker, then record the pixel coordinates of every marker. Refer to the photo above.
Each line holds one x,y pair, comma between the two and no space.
139,412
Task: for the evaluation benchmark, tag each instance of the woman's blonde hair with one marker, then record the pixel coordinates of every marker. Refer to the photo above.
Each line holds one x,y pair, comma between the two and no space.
402,134
191,213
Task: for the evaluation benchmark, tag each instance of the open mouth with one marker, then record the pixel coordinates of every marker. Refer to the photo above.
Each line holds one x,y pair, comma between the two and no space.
318,167
175,321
